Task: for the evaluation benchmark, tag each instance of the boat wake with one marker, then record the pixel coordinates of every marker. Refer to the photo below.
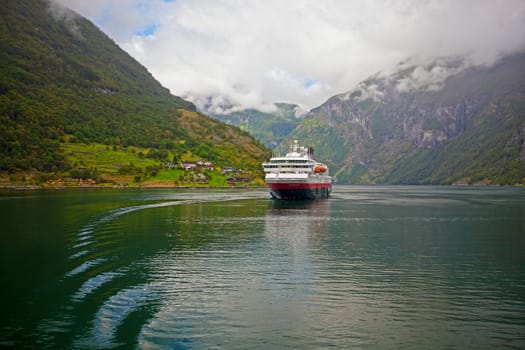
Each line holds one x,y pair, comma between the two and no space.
100,274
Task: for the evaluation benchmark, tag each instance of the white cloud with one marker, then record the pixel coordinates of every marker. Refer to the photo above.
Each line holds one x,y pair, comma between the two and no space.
256,52
430,76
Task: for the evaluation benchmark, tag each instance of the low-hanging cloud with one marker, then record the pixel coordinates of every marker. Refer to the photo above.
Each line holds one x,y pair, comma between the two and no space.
254,53
69,17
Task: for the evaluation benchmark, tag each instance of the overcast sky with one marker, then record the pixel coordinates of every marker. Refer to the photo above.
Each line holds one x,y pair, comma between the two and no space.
256,52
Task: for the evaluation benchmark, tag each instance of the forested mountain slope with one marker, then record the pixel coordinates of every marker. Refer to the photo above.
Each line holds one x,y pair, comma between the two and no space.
63,80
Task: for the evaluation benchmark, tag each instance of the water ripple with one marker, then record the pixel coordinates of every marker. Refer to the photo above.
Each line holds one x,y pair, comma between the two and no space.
79,254
94,283
113,312
85,266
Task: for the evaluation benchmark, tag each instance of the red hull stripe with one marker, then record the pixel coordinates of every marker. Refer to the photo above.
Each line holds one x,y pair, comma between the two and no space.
292,186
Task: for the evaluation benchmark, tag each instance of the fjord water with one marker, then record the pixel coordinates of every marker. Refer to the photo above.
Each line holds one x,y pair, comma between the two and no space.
371,267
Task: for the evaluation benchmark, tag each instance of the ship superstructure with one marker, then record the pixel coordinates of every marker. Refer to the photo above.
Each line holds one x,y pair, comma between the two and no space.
297,175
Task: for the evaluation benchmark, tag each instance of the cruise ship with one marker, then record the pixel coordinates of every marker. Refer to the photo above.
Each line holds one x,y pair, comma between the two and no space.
297,175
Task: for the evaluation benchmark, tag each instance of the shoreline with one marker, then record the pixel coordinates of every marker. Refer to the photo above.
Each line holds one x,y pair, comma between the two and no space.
97,187
15,187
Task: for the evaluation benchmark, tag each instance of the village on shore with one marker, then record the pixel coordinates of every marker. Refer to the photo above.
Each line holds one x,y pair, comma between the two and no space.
201,174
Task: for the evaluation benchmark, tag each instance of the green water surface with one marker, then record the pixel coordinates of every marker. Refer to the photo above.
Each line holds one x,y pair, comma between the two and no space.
370,268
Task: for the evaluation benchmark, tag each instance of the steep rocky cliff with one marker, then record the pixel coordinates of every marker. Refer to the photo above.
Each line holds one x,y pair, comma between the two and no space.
442,122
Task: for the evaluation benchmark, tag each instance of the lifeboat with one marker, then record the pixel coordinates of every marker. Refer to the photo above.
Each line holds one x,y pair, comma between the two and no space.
319,168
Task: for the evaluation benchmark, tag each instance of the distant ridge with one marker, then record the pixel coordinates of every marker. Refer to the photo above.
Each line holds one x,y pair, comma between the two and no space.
269,128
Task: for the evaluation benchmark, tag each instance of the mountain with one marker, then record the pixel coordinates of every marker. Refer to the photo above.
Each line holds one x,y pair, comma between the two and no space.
442,122
269,128
62,80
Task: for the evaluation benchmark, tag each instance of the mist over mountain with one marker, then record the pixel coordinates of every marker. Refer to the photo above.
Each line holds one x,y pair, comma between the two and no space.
268,127
441,122
255,53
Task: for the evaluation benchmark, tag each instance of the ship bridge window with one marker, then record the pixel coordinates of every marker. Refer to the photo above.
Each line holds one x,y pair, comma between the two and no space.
285,165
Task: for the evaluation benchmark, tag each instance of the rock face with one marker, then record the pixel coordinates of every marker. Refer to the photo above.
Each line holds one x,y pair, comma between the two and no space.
438,123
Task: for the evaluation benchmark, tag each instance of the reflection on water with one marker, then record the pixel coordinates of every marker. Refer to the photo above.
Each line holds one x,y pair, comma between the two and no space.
372,267
296,229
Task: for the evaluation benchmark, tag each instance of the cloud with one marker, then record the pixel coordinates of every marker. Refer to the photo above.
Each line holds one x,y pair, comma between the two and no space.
69,17
431,75
257,52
